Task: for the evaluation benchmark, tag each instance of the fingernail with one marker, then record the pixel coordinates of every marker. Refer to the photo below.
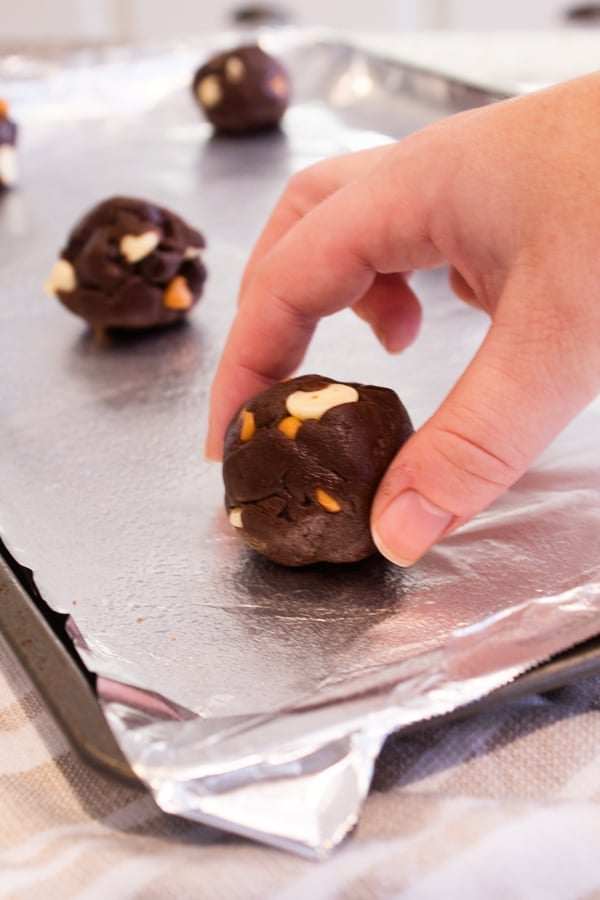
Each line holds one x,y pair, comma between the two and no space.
408,527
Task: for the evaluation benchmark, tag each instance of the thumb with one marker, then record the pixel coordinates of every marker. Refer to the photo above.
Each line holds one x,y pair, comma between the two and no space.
519,391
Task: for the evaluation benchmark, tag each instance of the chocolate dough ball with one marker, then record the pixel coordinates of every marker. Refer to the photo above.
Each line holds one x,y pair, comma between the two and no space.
8,153
302,463
129,264
242,90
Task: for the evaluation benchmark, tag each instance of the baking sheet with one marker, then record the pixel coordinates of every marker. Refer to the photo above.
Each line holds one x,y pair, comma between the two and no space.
243,694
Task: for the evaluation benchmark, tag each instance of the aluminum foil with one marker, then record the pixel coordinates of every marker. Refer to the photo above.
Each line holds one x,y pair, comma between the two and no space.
243,694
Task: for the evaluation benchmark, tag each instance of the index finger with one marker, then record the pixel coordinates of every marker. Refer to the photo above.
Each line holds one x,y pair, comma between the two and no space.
377,223
304,191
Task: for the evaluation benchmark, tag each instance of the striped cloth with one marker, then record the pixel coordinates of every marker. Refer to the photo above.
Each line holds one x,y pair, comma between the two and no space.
504,804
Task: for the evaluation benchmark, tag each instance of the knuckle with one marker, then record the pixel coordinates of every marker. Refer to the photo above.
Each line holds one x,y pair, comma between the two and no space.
277,305
305,187
473,464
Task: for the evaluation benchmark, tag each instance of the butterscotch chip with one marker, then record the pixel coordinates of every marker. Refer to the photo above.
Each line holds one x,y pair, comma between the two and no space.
327,501
308,499
248,426
8,153
178,294
279,86
289,426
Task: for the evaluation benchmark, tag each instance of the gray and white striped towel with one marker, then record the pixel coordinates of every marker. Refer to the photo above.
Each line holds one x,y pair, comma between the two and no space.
505,804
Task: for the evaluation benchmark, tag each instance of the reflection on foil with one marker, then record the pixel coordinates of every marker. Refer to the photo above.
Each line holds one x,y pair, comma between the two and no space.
245,695
353,84
142,707
297,777
103,362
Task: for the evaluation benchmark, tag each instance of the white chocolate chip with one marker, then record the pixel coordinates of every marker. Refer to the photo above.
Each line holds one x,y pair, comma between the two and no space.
234,69
62,278
209,91
8,165
313,404
235,517
192,252
135,247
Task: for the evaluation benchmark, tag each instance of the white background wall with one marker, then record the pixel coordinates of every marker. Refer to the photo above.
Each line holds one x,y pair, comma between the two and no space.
67,20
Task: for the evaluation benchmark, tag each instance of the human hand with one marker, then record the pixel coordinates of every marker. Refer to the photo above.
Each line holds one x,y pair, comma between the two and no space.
509,197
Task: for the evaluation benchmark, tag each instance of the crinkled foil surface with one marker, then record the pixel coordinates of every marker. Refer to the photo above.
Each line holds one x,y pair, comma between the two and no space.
243,694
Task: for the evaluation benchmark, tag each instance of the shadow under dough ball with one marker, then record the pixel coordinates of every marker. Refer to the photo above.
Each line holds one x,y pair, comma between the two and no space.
242,90
129,264
8,153
301,465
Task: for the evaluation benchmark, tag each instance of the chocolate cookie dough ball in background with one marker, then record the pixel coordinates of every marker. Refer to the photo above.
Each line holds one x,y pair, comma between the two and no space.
302,463
129,264
8,152
242,90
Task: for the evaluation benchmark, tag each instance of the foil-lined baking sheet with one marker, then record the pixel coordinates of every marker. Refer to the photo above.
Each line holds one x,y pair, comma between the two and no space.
243,694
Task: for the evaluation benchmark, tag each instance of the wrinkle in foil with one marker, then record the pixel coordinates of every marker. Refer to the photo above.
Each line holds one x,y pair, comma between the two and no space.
245,695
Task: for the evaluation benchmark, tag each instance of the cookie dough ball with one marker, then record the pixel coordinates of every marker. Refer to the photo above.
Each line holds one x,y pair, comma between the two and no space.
302,463
242,90
129,264
8,153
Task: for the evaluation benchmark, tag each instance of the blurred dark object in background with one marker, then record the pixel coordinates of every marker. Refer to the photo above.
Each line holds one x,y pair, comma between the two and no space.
584,14
256,14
